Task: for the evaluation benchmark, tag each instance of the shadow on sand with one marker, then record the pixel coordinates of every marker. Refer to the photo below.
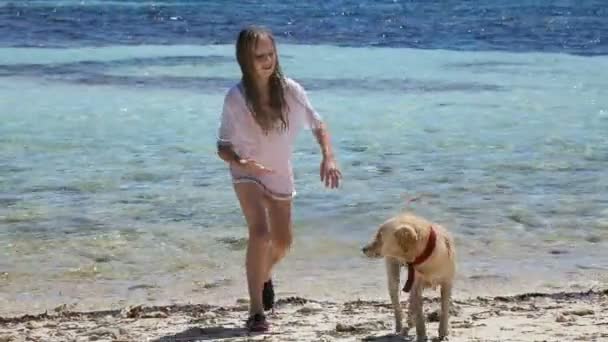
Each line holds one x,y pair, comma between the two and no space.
204,334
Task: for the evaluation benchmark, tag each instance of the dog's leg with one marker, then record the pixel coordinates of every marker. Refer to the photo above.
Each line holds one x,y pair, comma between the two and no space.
392,272
446,298
418,311
411,309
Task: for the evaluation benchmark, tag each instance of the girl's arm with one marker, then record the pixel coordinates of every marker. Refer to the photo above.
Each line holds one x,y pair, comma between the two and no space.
329,171
227,153
322,135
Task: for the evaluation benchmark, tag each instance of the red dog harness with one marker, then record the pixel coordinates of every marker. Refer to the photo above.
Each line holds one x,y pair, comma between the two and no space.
428,250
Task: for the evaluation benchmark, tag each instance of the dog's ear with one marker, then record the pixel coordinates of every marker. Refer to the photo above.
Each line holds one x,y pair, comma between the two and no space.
406,237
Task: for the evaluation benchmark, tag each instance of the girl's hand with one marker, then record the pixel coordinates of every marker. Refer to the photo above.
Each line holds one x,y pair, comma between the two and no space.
330,174
252,167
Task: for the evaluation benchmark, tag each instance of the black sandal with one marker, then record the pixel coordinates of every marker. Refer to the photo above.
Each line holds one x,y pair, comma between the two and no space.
268,295
257,323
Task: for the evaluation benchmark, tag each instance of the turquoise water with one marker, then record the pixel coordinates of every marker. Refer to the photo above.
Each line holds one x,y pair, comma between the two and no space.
111,192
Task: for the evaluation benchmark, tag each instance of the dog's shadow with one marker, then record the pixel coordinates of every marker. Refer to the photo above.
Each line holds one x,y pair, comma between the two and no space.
204,334
397,338
388,338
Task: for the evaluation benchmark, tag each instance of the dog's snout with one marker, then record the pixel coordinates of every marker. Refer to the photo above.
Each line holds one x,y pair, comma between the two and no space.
370,252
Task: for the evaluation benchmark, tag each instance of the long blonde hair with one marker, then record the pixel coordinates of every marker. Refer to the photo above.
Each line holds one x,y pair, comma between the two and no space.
245,45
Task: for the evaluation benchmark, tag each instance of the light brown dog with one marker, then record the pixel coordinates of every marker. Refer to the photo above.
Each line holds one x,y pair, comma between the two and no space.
411,241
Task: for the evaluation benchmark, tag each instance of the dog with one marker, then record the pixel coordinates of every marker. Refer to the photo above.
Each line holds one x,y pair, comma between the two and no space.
428,251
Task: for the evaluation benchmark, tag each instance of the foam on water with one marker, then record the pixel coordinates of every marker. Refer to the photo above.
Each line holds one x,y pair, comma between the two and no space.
114,194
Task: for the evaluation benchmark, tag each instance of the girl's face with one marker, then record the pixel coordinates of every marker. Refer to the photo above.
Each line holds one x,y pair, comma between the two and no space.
264,58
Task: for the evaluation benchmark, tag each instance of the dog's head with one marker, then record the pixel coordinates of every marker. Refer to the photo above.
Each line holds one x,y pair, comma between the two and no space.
393,238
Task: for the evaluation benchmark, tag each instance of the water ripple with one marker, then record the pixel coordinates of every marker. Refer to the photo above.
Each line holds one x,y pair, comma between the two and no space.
575,28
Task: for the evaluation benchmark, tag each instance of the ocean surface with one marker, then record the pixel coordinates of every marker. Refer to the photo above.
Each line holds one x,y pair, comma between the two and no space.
492,114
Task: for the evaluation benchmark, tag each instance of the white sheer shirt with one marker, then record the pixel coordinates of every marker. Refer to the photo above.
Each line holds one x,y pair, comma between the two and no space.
273,150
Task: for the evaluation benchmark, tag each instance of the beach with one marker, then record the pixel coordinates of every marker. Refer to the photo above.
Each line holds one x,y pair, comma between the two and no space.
560,316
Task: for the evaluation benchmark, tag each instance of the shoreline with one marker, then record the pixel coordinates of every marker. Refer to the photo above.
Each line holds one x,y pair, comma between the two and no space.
534,316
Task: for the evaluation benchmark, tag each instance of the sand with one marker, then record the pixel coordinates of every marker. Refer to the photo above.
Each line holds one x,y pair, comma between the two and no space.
561,316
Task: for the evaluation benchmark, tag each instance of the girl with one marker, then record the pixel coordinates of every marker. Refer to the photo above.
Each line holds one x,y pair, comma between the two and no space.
261,117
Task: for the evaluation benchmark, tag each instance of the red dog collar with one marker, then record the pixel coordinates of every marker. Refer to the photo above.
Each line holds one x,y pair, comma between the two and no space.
428,250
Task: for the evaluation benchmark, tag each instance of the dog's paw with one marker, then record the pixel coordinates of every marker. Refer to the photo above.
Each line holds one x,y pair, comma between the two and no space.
443,336
421,338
